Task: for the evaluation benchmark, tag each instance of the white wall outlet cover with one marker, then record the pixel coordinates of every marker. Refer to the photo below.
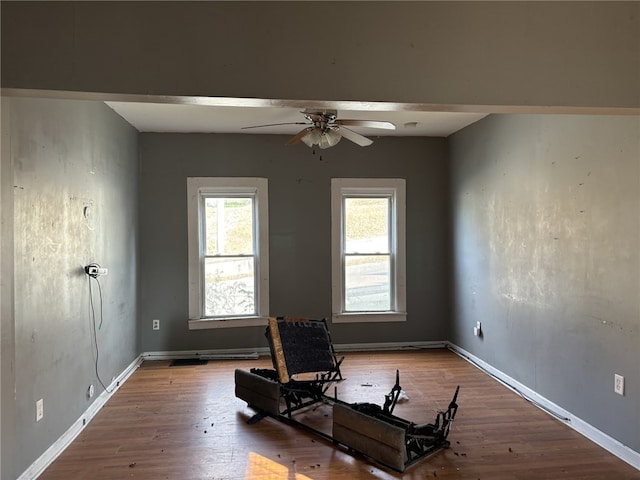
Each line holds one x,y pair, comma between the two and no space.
90,391
39,410
618,385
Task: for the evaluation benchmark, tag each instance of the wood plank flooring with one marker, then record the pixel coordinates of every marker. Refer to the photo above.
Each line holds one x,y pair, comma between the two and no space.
185,423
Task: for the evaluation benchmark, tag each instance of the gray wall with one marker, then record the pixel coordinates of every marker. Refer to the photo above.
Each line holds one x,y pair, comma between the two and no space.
477,53
299,236
547,244
63,157
474,53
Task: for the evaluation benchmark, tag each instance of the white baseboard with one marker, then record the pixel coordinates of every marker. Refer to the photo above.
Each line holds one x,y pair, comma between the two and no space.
251,353
371,347
600,438
47,458
222,354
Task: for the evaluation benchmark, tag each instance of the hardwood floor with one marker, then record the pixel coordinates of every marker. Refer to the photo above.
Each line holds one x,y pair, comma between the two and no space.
185,423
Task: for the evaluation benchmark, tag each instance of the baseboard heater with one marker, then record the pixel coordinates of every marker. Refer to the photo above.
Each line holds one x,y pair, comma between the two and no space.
305,368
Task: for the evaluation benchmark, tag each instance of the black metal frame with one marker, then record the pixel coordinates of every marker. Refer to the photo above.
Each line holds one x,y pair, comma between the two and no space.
420,440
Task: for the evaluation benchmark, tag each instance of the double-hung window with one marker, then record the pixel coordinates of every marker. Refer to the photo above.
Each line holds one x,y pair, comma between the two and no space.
228,251
368,250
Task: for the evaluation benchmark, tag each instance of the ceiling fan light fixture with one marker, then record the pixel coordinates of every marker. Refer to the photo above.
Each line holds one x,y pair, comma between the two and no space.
329,138
324,138
312,138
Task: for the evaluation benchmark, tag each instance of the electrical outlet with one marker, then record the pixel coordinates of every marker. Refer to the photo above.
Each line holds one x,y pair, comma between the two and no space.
90,391
39,410
618,385
156,324
477,330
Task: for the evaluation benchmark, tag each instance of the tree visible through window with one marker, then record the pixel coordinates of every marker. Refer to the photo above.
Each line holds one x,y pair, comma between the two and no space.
229,268
228,251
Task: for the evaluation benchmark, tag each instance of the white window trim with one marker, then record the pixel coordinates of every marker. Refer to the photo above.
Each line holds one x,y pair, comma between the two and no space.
196,187
347,186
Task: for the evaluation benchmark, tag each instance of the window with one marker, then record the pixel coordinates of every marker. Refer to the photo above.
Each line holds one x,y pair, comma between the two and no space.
228,252
368,250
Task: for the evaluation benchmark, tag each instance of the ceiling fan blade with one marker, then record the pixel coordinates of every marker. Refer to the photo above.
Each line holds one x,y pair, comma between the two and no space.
366,123
275,125
299,135
355,137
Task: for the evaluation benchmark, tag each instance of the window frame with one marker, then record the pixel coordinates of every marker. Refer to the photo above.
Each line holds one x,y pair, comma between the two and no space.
197,189
373,187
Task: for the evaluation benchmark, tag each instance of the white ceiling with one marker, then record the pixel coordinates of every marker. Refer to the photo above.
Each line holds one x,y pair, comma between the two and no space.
229,116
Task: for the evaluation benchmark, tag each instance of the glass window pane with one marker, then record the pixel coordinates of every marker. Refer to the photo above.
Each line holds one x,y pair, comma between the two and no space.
367,283
229,287
229,226
366,225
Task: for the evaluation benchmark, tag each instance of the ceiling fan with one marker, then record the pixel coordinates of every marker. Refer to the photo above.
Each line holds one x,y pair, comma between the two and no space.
325,129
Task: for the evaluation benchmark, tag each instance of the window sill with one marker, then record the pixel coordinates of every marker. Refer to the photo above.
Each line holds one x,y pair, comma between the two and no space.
206,323
369,317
